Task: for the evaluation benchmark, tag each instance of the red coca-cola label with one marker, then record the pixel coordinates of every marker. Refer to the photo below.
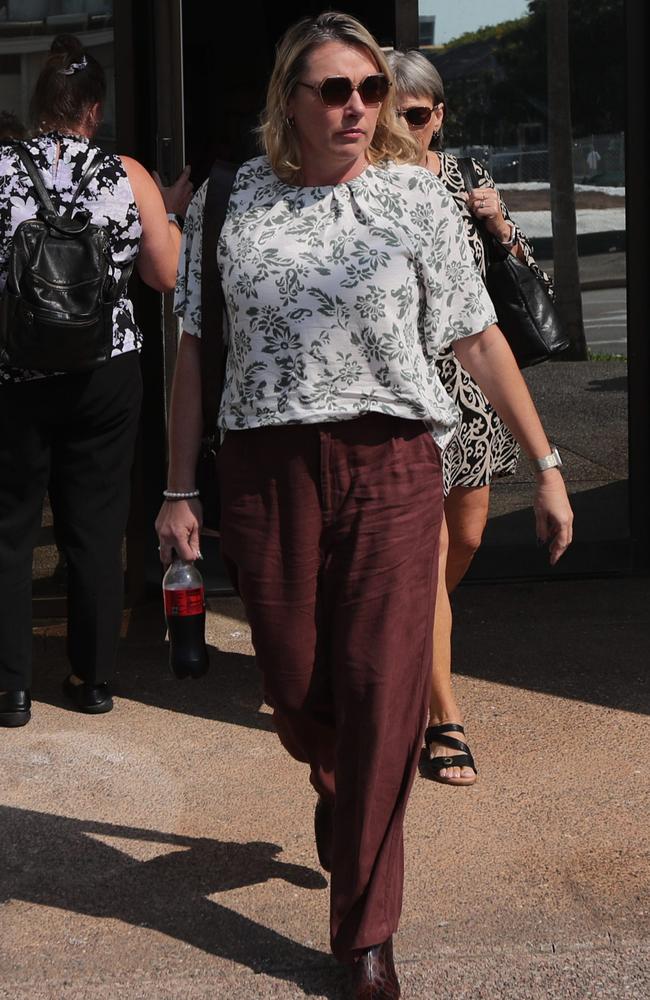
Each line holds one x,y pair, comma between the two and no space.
184,602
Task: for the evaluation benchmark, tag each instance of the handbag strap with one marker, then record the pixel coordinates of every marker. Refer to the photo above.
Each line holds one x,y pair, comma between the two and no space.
491,246
213,349
468,172
470,180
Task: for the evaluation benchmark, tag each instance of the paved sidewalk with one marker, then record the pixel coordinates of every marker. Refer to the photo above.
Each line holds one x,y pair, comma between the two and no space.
597,270
165,850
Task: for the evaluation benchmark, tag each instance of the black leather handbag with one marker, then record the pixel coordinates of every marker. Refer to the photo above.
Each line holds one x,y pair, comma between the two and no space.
213,347
525,312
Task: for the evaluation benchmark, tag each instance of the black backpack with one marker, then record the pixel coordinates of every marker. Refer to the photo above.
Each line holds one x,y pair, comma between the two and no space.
56,312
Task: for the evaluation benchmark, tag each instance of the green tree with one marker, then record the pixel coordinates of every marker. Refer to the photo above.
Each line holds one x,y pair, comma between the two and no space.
496,78
596,35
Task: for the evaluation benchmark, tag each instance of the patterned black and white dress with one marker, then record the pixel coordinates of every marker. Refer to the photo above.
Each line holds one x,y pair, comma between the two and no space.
62,160
483,447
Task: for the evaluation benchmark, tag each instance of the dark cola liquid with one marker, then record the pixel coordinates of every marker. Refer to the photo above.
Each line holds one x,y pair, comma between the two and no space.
188,656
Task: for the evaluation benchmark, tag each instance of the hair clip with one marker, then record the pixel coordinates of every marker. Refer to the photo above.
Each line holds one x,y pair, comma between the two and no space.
73,67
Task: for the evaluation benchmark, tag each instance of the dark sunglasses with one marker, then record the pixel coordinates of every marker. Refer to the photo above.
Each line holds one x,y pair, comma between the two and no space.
417,117
336,91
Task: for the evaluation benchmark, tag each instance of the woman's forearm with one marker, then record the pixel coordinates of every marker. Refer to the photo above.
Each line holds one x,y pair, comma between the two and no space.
185,415
489,360
179,522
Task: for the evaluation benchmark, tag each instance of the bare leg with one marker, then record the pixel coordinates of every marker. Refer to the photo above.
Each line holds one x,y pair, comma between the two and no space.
466,511
443,706
465,517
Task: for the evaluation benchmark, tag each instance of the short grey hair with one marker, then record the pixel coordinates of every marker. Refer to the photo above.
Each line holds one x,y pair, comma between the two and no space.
415,76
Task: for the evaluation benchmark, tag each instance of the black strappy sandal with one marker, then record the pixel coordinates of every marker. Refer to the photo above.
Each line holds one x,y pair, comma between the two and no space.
433,765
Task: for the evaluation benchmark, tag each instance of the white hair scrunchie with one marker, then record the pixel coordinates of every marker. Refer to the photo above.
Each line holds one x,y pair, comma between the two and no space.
74,67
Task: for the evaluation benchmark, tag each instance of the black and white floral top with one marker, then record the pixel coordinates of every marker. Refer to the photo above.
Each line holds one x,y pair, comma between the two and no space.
62,160
482,448
338,298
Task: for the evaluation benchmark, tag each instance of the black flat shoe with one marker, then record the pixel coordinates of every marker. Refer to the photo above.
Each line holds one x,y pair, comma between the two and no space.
94,699
15,708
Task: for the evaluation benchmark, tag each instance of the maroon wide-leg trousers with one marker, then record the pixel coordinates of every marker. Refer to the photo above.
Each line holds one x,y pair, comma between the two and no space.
331,532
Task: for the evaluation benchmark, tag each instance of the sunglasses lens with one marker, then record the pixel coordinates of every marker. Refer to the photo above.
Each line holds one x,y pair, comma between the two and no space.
418,117
373,89
335,91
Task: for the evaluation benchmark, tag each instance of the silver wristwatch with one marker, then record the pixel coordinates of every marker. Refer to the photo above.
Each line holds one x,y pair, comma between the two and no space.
513,236
552,461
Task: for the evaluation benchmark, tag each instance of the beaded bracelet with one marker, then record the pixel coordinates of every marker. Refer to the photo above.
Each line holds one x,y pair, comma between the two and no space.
182,495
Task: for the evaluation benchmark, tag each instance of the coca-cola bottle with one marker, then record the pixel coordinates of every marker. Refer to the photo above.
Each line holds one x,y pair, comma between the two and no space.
184,598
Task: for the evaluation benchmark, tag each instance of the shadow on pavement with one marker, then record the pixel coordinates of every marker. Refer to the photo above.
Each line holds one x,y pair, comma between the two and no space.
61,862
601,539
586,640
230,692
608,385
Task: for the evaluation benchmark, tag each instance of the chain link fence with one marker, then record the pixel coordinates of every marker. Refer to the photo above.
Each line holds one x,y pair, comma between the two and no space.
597,160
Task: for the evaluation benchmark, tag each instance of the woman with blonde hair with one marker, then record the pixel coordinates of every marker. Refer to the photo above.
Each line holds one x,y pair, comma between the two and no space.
341,286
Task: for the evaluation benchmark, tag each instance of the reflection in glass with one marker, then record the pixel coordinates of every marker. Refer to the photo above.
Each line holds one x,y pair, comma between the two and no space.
27,28
496,84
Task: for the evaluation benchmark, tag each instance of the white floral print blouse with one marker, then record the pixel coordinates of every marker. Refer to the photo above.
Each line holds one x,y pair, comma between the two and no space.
338,298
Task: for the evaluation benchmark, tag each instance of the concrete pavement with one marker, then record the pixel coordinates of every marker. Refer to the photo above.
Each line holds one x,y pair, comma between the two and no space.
165,850
597,270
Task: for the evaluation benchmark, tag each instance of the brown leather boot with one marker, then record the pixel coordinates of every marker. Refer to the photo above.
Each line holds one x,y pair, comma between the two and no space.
373,976
324,831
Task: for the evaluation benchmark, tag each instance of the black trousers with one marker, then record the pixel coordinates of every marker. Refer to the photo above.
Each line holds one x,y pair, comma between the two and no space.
74,435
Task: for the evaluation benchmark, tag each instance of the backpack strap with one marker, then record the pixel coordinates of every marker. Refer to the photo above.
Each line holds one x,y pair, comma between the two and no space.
35,177
37,180
89,174
213,350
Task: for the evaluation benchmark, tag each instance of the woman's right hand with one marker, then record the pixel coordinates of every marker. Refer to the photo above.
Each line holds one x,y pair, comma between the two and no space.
176,196
553,514
178,526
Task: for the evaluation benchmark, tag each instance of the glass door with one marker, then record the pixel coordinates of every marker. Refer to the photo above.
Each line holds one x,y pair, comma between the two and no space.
149,35
27,28
504,106
140,47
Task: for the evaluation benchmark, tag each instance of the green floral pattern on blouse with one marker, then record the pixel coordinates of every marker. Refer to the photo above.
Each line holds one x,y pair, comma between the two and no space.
338,298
